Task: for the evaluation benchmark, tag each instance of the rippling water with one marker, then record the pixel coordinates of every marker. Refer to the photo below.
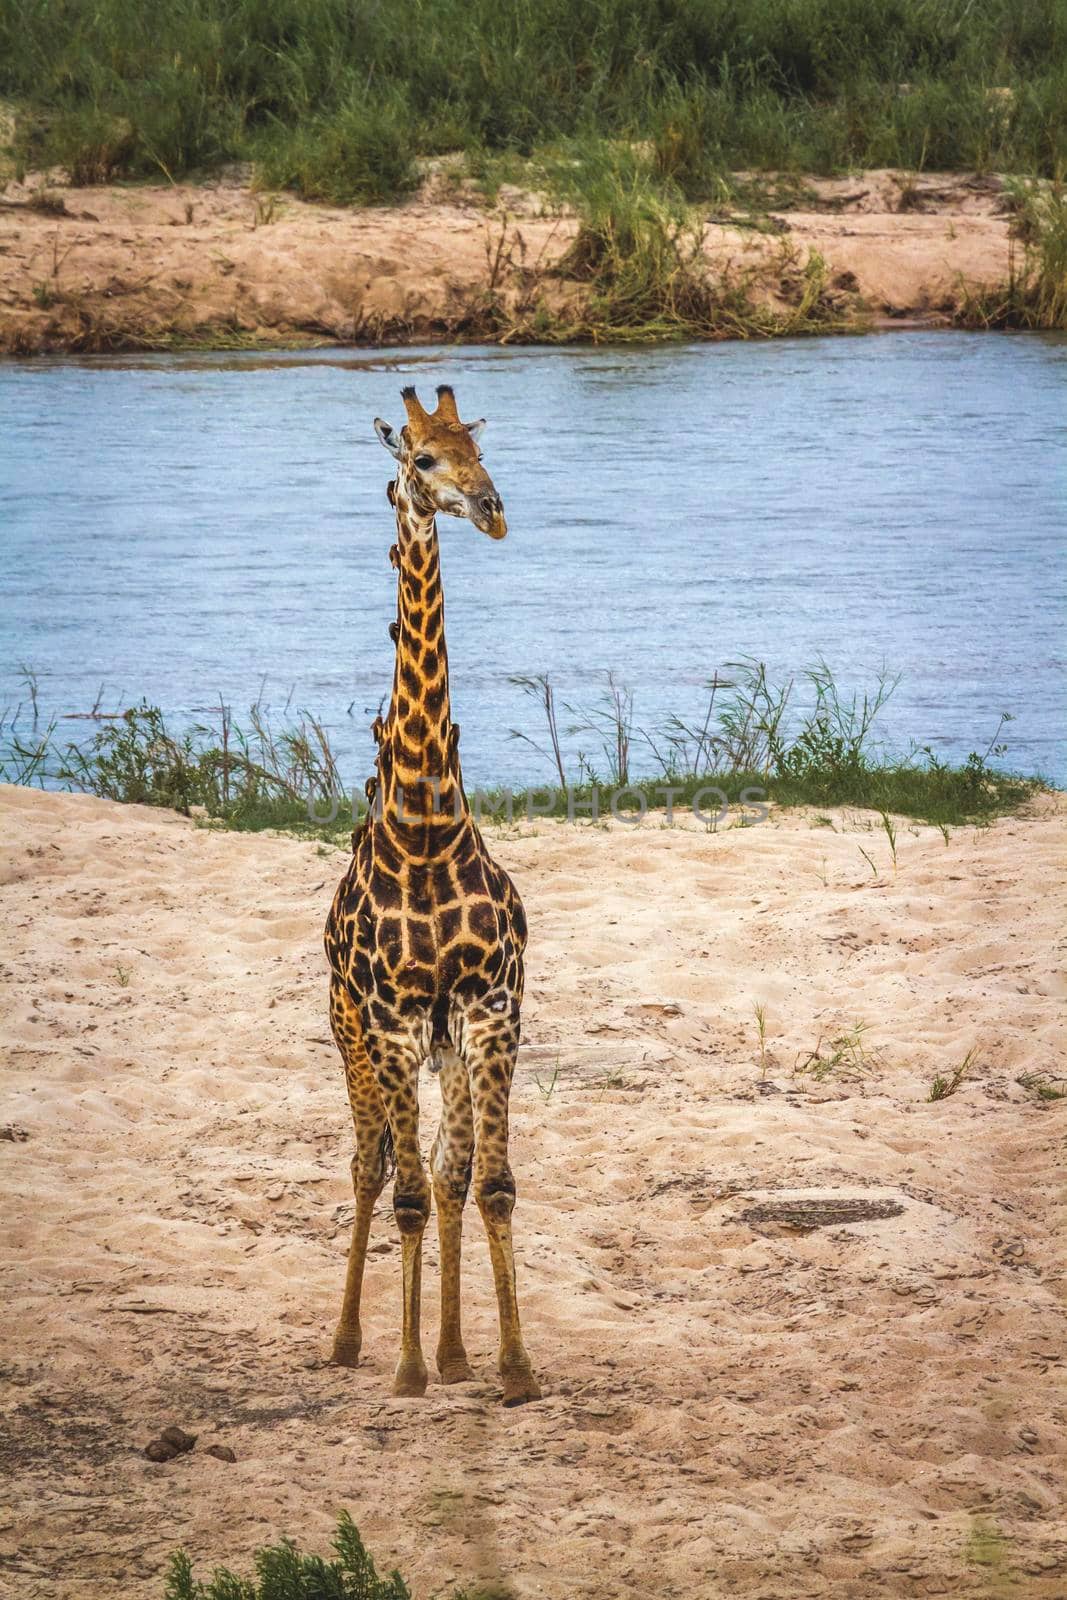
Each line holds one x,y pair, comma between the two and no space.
181,528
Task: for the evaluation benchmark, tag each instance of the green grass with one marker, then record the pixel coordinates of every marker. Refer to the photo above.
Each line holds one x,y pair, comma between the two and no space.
956,795
806,744
336,99
363,151
943,1087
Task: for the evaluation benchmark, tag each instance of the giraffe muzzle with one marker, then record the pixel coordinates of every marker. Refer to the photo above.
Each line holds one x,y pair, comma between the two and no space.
487,514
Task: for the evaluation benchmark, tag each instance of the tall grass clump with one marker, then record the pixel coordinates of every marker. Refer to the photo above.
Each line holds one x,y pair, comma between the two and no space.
788,84
638,255
254,776
799,743
1035,295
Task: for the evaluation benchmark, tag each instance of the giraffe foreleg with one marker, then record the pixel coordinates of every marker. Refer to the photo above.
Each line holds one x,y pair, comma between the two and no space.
450,1163
490,1054
369,1165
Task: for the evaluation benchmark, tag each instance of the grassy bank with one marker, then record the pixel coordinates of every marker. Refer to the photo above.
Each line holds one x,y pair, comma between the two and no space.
337,100
792,743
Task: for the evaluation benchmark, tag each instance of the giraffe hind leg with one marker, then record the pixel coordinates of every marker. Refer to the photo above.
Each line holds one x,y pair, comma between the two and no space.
395,1058
370,1165
490,1053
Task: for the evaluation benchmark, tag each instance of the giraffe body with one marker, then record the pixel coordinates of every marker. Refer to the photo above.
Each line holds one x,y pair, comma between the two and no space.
425,942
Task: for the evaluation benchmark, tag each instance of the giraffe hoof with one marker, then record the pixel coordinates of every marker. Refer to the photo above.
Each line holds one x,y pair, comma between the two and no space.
455,1370
345,1352
410,1380
519,1387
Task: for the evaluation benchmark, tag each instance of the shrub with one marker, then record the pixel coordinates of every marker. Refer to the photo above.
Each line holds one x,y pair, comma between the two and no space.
283,1573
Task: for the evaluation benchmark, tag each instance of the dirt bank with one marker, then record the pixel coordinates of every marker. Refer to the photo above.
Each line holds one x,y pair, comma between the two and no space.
738,1402
149,267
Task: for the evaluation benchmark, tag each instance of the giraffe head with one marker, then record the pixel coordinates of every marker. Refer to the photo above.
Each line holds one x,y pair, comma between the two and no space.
441,464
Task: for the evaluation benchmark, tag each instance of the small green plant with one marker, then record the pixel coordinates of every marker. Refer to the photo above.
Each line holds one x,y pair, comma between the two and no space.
549,1089
908,198
822,750
48,203
844,1052
608,1080
29,680
95,145
942,1087
891,835
1044,1087
761,1028
869,861
122,977
283,1573
945,832
683,145
44,295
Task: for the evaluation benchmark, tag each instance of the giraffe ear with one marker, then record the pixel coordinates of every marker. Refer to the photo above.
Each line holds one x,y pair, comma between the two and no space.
475,428
388,435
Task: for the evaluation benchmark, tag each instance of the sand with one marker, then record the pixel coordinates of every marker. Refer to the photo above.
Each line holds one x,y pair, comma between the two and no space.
733,1406
141,265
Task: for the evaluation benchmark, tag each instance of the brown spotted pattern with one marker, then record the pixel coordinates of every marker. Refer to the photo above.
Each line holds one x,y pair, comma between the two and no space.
425,942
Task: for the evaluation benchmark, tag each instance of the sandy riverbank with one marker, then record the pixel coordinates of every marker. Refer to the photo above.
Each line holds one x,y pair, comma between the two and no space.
732,1406
140,266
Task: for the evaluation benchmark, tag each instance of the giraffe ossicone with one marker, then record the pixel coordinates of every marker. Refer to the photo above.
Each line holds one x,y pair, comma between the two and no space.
425,941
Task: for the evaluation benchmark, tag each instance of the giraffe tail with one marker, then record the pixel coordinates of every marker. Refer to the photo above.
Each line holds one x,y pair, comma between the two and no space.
387,1153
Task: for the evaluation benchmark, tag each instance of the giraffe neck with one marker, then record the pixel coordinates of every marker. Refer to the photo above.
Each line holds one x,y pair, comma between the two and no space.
419,758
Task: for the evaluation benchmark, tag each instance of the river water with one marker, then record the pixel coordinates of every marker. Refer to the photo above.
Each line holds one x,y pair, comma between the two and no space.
189,527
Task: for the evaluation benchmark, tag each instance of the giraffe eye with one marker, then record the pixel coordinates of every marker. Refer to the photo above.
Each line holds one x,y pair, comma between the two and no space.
424,463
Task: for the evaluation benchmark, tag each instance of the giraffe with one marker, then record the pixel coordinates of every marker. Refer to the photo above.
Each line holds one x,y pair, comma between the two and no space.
425,942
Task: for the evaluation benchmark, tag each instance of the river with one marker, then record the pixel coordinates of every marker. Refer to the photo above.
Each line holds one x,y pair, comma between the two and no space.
185,528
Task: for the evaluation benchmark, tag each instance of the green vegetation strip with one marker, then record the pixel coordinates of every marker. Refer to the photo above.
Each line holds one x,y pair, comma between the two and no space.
806,743
338,100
